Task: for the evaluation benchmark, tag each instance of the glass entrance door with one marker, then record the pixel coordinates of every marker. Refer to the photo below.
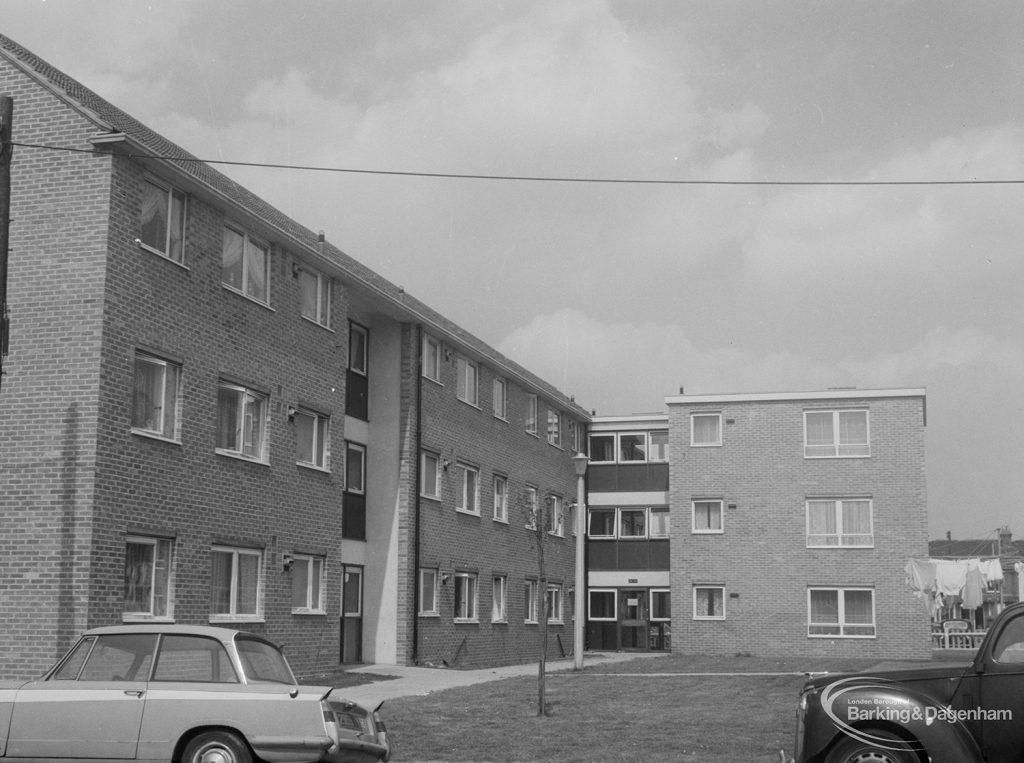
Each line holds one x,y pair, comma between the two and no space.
352,614
634,618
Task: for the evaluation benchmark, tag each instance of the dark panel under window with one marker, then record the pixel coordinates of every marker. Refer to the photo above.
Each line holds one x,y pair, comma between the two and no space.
353,517
357,396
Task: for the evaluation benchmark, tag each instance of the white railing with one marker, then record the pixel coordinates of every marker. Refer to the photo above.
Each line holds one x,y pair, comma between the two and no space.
958,640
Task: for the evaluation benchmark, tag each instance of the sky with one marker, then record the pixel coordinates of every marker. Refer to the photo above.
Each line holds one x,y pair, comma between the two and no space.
622,293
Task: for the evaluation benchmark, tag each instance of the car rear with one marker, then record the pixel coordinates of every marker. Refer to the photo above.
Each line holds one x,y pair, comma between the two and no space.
358,734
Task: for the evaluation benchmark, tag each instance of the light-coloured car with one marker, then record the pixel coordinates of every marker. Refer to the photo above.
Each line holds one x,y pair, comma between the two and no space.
192,694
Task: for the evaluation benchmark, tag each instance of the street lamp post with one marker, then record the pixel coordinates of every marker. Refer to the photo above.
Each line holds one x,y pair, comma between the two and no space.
579,462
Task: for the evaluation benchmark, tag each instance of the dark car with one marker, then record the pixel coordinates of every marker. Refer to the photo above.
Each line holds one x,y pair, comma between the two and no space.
955,713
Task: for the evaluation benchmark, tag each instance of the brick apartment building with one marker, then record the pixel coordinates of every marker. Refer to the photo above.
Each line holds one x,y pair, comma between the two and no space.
793,516
211,415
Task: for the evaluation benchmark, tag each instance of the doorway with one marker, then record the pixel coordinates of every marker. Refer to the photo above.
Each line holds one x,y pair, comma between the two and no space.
634,619
351,614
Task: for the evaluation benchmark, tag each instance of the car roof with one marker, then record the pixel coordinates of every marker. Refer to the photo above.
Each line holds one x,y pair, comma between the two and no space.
225,635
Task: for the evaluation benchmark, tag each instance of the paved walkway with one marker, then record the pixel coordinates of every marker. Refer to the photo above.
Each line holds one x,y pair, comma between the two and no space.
411,682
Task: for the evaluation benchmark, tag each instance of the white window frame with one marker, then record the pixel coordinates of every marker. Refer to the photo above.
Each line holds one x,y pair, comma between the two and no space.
467,388
322,288
430,490
554,430
659,510
359,487
428,605
500,493
466,607
841,539
431,359
233,614
530,602
842,625
249,246
162,556
244,440
708,587
631,509
320,446
662,447
837,448
175,206
315,567
652,609
556,516
615,605
645,447
499,398
693,429
532,506
358,362
707,530
468,499
602,436
499,599
170,390
603,510
531,414
553,604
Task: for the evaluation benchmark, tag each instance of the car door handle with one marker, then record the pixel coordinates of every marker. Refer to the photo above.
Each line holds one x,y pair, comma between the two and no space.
134,692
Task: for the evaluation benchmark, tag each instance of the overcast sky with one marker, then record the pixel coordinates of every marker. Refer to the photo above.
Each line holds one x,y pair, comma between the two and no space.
620,294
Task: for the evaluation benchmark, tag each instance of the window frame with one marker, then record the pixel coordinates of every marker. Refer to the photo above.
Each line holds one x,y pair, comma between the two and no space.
165,383
167,584
500,500
839,505
320,447
841,623
532,506
717,415
466,609
837,444
172,195
694,529
438,467
651,511
592,510
323,293
244,396
249,244
614,594
467,500
499,397
556,516
530,601
319,565
350,448
359,362
554,427
499,599
422,609
697,587
652,609
642,511
532,413
554,604
467,386
430,359
233,615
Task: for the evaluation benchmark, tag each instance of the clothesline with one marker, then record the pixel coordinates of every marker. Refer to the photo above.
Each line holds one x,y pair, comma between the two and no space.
934,580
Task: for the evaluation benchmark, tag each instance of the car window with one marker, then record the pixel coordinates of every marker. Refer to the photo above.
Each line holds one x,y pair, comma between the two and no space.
1009,647
73,662
121,657
263,662
193,658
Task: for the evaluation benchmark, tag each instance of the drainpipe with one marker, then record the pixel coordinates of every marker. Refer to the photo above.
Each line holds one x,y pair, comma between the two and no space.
416,495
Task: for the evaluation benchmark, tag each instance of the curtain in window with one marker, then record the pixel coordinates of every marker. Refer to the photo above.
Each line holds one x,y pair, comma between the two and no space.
707,515
154,217
858,610
821,523
228,411
146,405
857,523
300,583
138,577
248,582
602,448
177,227
825,607
305,438
709,602
705,429
220,582
231,259
256,271
853,433
308,294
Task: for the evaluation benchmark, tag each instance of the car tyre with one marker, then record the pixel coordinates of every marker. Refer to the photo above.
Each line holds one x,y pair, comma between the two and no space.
890,749
217,747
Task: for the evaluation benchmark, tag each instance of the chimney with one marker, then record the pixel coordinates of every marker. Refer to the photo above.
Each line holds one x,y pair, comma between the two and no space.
1005,541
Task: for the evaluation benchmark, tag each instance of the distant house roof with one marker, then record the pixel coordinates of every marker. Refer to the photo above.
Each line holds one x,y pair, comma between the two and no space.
114,122
968,549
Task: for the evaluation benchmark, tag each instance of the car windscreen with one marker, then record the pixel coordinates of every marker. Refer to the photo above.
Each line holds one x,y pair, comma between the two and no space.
263,662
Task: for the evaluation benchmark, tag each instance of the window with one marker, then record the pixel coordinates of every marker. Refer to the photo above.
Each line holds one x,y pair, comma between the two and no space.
554,428
659,522
602,448
659,446
661,604
308,585
500,498
574,436
708,602
531,507
705,429
147,578
499,397
430,475
603,604
162,227
157,390
195,659
358,339
556,516
241,422
355,468
602,523
315,296
245,265
499,587
707,516
428,592
468,382
632,447
841,612
530,601
431,359
469,496
531,414
465,597
235,583
553,603
836,434
839,523
312,443
632,523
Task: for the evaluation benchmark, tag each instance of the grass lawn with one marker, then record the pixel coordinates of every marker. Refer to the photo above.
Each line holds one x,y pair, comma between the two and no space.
637,710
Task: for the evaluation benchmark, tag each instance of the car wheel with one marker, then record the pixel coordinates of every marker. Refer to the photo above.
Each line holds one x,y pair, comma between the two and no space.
217,747
888,749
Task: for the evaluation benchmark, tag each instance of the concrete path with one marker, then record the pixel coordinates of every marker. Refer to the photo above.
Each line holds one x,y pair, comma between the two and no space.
410,681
